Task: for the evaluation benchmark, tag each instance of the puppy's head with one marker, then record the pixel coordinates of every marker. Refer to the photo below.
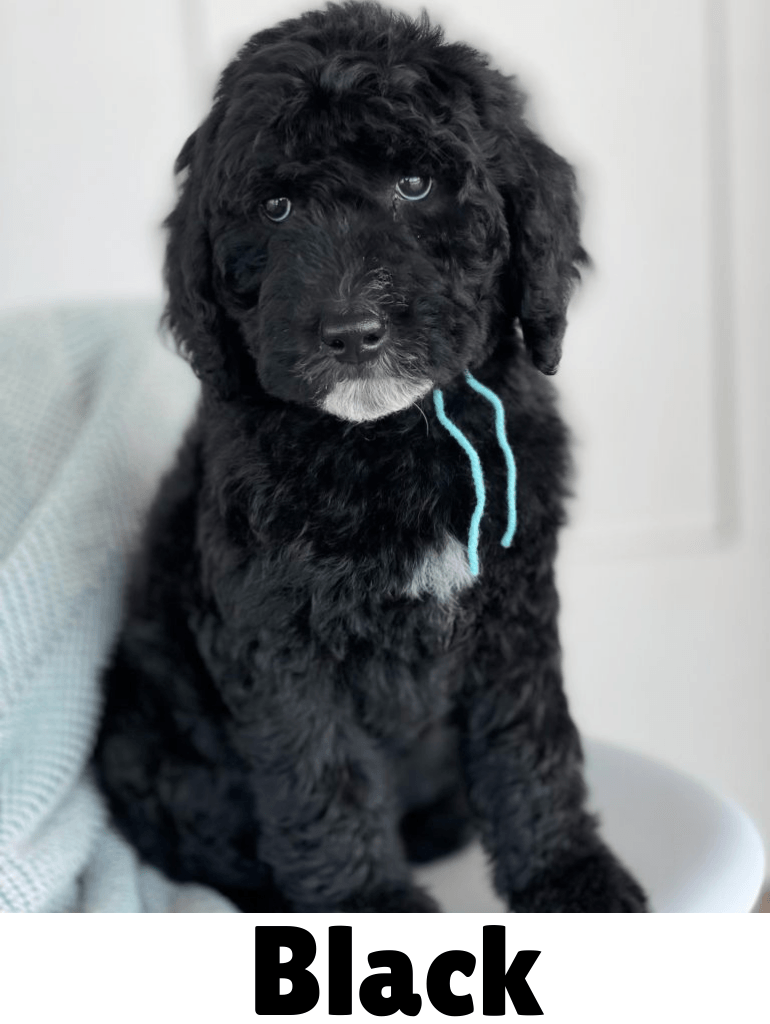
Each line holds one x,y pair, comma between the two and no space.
362,212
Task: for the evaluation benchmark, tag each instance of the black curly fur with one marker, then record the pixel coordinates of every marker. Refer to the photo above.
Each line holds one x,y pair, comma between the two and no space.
284,719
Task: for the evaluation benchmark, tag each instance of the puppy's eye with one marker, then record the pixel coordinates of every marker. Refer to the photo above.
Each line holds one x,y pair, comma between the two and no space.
413,188
277,209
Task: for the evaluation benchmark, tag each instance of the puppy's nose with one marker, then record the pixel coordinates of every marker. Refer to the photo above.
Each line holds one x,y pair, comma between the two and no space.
353,337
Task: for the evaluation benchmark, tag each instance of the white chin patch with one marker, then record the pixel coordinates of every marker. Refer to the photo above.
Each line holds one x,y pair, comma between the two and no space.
361,400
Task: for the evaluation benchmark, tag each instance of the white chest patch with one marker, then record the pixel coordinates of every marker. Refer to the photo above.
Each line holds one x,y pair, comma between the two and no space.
443,572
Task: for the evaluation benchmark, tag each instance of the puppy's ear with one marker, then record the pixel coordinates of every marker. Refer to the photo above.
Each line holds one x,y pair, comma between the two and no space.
540,194
206,337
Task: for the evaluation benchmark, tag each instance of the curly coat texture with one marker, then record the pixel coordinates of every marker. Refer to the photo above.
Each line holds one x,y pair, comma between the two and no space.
309,689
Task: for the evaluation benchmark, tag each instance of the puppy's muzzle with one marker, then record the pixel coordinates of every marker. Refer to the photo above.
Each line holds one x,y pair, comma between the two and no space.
354,337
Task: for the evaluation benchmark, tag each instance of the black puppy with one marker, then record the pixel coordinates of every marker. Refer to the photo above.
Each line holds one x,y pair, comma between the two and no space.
334,658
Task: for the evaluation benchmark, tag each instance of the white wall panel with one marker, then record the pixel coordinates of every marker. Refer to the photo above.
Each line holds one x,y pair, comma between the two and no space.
94,105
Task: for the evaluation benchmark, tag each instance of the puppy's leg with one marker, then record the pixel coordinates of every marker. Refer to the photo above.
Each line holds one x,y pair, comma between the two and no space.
524,763
175,788
437,829
327,809
431,791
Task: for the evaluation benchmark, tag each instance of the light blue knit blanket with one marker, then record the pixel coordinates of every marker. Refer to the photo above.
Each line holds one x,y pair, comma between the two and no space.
92,406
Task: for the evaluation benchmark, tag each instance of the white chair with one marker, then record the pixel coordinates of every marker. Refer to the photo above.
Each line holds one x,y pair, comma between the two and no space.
693,851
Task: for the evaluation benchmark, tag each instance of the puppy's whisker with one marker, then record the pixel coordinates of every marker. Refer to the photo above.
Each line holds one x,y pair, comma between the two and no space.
418,406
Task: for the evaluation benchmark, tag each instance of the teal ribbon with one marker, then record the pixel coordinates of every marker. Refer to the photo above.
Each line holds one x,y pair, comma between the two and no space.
476,468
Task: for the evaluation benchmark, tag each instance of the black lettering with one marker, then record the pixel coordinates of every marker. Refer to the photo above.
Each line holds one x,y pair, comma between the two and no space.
400,979
439,982
498,981
269,970
340,969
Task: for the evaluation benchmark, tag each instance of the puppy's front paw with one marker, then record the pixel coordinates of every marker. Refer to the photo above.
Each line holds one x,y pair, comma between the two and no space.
392,899
595,884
